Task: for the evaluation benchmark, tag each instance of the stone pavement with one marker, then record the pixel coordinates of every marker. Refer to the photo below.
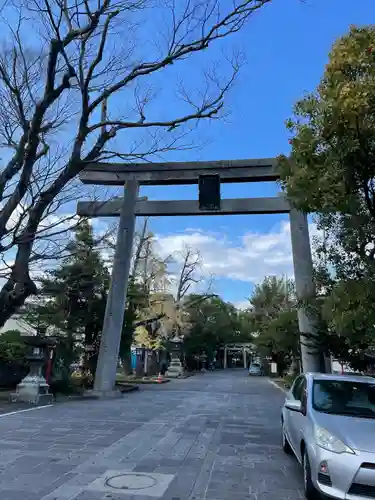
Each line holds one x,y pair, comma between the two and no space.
215,436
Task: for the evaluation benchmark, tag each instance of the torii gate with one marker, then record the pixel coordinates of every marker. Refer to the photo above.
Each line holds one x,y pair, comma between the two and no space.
135,174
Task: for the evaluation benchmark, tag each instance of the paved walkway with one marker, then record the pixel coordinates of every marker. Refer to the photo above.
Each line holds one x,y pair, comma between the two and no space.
215,436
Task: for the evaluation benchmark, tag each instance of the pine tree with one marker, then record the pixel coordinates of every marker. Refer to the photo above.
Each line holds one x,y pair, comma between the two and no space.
73,298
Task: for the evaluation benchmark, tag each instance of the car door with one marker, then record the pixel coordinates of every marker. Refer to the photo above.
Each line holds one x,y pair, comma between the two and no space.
297,418
292,417
291,395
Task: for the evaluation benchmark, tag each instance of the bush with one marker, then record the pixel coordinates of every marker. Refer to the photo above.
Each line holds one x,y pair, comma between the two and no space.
289,379
86,381
12,347
83,380
63,386
11,374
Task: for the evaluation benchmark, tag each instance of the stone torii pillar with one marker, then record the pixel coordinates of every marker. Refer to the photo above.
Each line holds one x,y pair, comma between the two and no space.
105,376
312,360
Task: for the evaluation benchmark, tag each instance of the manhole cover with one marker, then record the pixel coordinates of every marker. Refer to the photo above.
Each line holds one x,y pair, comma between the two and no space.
131,481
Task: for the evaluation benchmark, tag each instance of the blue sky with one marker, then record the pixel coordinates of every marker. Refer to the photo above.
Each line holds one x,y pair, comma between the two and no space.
286,45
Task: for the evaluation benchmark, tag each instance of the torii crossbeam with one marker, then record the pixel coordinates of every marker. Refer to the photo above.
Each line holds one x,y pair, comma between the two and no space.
239,206
161,174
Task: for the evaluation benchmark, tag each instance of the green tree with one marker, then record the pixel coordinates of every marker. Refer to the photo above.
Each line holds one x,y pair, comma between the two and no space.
274,314
349,319
73,298
331,167
12,347
136,302
279,338
331,172
271,296
213,322
148,269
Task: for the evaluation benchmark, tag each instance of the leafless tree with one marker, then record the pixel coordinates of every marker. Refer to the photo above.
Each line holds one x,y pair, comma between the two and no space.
150,269
68,93
189,273
166,308
141,246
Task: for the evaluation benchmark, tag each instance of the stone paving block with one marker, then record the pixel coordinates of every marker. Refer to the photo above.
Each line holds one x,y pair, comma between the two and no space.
97,470
122,496
201,483
18,495
166,470
65,492
182,448
29,461
227,490
181,486
270,495
92,495
135,497
13,472
274,482
81,479
28,482
53,468
147,468
150,463
170,462
193,463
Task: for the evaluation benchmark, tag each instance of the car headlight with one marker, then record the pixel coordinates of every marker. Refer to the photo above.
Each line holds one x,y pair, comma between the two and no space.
327,441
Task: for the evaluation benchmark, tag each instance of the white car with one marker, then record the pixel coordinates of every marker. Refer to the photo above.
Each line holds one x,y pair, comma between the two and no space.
255,369
328,422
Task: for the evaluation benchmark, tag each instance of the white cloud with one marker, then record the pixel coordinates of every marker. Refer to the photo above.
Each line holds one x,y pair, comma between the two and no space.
242,304
254,256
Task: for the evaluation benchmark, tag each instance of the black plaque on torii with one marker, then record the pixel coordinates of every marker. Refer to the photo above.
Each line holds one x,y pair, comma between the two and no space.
209,192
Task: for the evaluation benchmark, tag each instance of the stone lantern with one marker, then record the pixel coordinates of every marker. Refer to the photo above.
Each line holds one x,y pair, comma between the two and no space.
175,368
34,389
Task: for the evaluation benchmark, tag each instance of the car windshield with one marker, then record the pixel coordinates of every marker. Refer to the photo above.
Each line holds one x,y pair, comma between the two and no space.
255,366
344,397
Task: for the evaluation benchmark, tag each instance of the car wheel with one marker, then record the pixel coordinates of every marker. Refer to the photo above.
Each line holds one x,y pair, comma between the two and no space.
309,488
285,443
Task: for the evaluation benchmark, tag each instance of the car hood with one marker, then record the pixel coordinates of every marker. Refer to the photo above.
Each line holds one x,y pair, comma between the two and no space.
358,433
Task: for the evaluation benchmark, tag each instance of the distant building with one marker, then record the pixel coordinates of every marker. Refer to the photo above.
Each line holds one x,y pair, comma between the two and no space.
16,323
338,367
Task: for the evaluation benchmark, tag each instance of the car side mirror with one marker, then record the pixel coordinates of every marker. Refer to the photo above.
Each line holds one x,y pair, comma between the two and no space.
293,405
